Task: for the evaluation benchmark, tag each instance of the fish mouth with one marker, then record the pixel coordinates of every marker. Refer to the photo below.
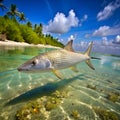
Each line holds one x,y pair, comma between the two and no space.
22,70
19,69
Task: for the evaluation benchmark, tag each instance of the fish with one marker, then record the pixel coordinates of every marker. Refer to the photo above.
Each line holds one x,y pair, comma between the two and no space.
55,60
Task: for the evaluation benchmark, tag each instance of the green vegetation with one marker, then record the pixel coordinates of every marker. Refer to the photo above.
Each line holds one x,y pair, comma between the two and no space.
75,114
91,87
11,25
11,29
104,114
29,35
37,109
114,97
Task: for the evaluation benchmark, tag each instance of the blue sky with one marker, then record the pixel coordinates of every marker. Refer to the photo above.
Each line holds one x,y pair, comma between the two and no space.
82,20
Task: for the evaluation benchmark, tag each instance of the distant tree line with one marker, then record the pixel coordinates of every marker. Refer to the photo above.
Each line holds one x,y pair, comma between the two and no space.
11,24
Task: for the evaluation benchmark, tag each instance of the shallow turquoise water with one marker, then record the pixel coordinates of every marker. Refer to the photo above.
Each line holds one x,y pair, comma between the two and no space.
87,88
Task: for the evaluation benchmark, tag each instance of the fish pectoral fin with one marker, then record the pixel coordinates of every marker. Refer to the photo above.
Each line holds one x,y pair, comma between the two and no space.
74,68
57,73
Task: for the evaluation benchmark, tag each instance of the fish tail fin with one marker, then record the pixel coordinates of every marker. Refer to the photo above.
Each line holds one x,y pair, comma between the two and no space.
96,58
88,62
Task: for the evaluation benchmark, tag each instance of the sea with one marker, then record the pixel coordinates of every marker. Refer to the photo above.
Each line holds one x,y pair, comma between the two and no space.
83,95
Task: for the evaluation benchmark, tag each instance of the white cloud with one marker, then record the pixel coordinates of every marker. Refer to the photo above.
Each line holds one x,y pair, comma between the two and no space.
87,35
61,40
105,41
85,17
72,37
106,31
117,39
83,43
108,10
104,38
61,23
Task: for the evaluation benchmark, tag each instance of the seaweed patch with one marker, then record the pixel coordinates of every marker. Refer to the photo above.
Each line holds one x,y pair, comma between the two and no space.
105,114
41,107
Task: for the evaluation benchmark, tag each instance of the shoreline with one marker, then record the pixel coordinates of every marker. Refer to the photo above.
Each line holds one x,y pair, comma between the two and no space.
9,43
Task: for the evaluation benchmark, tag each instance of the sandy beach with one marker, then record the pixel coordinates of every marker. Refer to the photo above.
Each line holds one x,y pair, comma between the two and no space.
23,44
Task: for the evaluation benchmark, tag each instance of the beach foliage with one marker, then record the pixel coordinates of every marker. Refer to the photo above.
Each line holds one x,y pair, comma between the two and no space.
16,27
29,35
11,29
16,31
13,12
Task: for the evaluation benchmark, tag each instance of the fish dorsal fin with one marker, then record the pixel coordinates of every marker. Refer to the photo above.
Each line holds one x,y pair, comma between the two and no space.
69,46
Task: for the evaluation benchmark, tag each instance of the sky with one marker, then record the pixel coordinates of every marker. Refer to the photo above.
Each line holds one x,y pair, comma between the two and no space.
81,20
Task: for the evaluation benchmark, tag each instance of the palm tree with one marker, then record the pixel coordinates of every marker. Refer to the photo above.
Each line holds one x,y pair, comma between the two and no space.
22,17
35,27
38,29
13,12
2,6
29,24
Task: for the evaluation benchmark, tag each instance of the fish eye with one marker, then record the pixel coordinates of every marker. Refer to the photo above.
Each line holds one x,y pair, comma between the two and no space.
33,63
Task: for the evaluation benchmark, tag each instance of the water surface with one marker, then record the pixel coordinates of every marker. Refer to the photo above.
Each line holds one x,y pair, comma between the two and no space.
88,90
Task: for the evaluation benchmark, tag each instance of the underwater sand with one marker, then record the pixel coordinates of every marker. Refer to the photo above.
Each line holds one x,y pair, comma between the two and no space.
89,93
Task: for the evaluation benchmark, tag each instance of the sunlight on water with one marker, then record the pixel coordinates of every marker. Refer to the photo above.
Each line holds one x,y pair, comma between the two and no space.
90,93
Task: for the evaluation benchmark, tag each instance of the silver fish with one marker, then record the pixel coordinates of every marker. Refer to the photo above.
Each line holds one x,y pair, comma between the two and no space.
57,59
